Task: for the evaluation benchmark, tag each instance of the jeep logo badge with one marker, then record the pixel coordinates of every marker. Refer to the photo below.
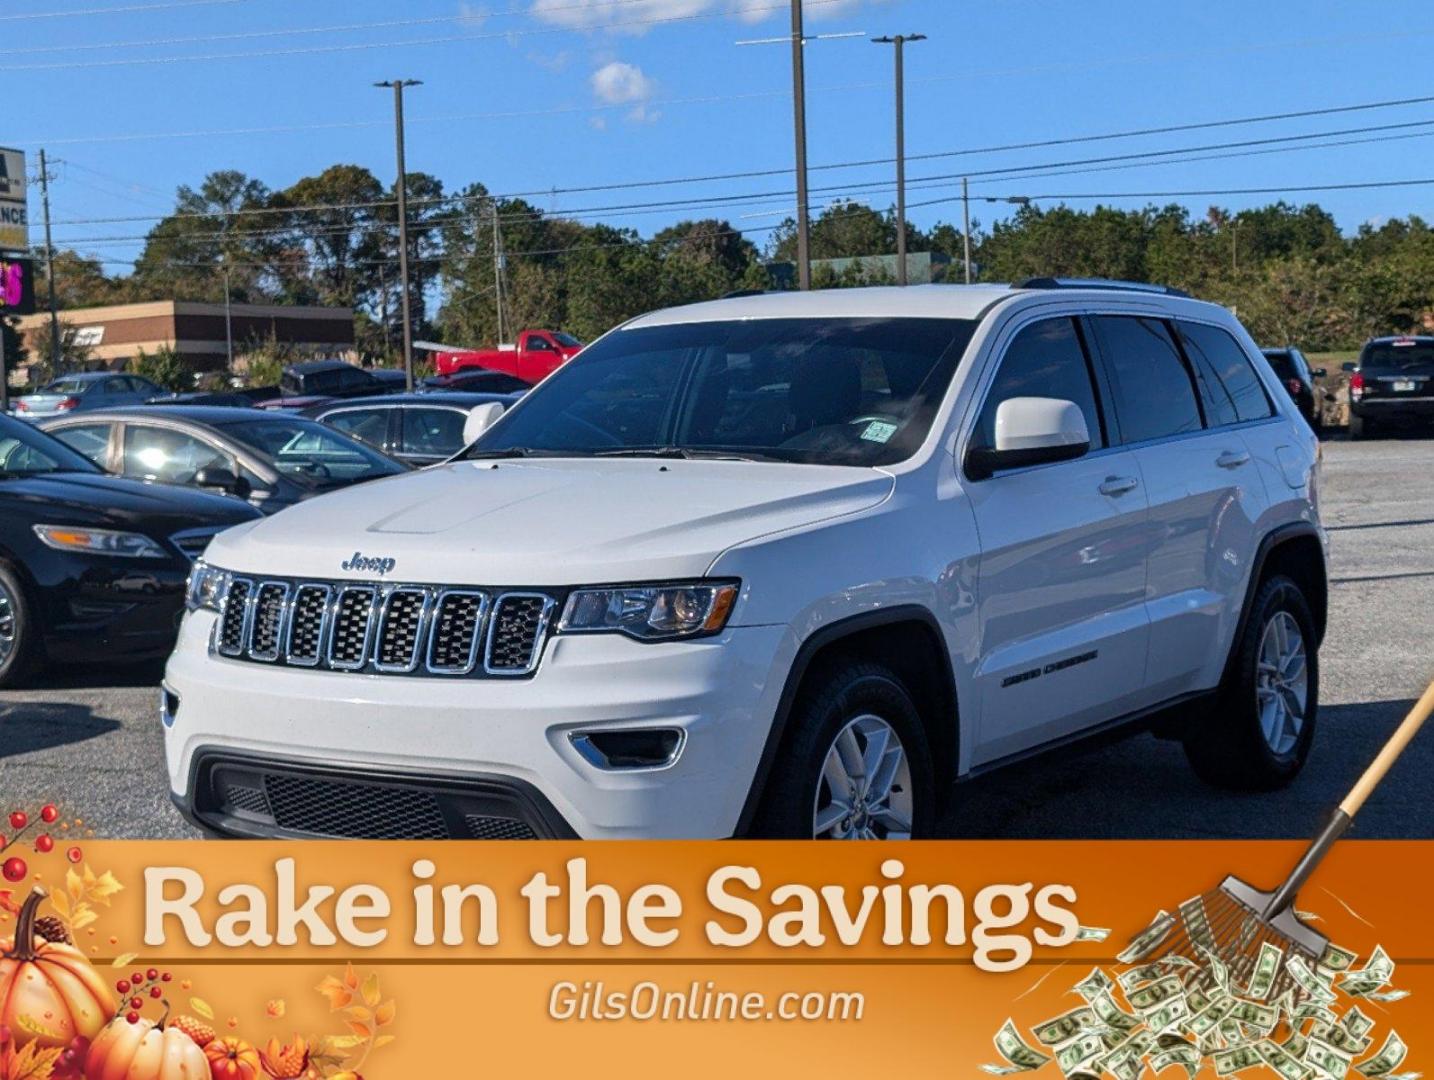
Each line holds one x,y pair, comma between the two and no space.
361,562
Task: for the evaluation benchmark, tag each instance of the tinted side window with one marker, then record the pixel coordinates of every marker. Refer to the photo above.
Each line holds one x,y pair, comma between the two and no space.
433,432
1046,359
537,344
92,440
152,453
1232,391
1153,393
370,425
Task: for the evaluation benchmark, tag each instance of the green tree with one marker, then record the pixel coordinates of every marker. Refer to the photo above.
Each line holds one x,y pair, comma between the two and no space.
165,367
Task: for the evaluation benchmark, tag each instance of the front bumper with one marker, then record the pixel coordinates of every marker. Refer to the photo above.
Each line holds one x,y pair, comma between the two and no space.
359,751
119,612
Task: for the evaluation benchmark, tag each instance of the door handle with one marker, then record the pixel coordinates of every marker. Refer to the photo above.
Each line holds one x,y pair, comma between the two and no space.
1232,459
1118,485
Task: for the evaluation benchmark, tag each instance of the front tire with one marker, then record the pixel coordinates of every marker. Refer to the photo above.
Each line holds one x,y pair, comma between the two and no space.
855,765
1258,733
19,632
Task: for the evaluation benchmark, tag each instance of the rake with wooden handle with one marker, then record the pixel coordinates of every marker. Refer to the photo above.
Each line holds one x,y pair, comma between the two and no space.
1232,922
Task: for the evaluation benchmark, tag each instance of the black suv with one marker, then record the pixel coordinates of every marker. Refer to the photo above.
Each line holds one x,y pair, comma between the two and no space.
1295,373
1392,384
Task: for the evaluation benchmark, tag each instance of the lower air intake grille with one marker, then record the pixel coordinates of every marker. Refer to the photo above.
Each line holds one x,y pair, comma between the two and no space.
240,797
482,827
359,811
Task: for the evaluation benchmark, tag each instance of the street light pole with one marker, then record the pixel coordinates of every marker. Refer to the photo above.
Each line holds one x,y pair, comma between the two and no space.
966,224
50,265
900,41
398,86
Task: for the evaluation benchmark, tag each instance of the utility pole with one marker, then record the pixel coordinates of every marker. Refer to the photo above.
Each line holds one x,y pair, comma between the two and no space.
900,41
398,86
799,103
50,265
498,271
966,224
1235,246
228,313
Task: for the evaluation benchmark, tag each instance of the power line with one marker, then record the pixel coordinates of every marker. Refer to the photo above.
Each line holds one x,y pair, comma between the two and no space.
71,65
250,35
1361,185
124,10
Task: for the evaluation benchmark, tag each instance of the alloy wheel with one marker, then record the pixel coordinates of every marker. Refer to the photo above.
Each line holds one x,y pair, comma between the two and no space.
9,617
865,788
1282,682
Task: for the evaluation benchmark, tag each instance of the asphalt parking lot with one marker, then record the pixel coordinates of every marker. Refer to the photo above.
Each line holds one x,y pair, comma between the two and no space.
91,739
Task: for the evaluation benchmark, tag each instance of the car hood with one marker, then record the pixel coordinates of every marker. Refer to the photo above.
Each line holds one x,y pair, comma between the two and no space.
95,497
547,522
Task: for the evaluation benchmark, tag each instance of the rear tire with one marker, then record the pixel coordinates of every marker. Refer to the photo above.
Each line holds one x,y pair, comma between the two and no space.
1359,427
19,632
1257,734
855,763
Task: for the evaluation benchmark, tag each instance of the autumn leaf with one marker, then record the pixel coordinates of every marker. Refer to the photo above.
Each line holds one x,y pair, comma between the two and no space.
7,902
363,1031
337,993
276,1008
335,1043
103,888
61,903
351,979
123,960
384,1014
202,1007
84,915
383,1040
359,1013
74,885
33,1063
371,994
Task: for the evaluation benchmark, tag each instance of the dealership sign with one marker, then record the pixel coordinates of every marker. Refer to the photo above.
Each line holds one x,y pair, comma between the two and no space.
17,286
14,216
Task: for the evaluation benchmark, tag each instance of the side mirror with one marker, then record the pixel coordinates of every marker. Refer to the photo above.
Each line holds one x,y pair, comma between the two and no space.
1319,373
216,476
1348,366
480,419
1031,431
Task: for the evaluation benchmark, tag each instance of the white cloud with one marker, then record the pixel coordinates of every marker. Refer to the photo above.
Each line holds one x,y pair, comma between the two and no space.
620,83
472,15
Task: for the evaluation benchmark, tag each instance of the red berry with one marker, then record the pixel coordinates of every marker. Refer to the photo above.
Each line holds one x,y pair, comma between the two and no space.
122,986
136,1003
44,843
132,1017
15,869
165,977
74,854
19,819
155,992
49,812
4,841
152,974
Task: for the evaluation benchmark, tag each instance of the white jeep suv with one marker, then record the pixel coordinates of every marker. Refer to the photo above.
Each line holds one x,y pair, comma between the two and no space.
781,565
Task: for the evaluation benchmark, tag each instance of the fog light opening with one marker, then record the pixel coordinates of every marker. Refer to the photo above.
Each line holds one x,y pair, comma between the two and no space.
168,706
643,748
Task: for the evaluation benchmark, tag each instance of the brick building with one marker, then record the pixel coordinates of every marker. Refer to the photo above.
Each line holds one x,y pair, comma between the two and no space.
115,335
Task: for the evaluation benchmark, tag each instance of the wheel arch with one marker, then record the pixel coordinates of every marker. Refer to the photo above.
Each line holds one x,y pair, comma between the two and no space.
1296,551
909,639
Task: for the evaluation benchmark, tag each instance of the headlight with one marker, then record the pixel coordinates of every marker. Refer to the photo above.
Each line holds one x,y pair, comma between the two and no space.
100,542
206,588
650,612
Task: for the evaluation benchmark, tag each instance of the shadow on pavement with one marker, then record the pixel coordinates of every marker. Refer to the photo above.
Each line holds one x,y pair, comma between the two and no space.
1142,788
30,728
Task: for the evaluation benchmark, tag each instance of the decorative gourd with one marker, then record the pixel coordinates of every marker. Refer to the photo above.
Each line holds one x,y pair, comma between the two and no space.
231,1058
49,993
144,1050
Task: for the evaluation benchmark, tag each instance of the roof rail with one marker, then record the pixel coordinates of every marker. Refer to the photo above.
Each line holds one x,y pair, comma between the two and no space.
1097,283
737,294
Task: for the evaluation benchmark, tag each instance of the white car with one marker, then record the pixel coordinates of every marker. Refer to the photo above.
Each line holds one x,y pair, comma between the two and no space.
778,565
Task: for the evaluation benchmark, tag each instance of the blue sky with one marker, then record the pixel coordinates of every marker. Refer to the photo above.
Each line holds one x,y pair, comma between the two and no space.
537,95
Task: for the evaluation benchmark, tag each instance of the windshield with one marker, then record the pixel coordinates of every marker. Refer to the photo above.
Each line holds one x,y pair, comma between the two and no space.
1397,355
310,453
69,386
567,341
24,451
817,391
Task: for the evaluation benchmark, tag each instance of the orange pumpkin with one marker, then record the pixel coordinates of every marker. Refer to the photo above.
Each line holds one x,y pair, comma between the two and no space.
231,1058
144,1051
49,993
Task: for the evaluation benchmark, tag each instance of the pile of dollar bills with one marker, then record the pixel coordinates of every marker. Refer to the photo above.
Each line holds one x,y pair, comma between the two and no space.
1301,1020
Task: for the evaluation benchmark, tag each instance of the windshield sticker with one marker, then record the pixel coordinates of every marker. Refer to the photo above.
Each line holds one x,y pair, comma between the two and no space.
879,431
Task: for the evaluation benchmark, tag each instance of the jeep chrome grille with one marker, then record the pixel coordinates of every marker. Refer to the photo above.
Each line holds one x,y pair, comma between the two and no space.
384,629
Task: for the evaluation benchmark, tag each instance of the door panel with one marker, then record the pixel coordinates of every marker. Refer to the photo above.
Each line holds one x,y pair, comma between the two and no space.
1064,629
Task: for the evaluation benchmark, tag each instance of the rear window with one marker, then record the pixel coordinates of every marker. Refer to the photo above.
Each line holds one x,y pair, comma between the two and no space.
1398,355
1282,363
69,386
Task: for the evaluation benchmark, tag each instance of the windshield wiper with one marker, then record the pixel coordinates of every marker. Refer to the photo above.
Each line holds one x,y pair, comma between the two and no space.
688,454
509,452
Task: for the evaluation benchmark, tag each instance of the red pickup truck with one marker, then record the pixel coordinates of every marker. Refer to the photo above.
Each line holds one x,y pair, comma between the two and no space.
537,354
